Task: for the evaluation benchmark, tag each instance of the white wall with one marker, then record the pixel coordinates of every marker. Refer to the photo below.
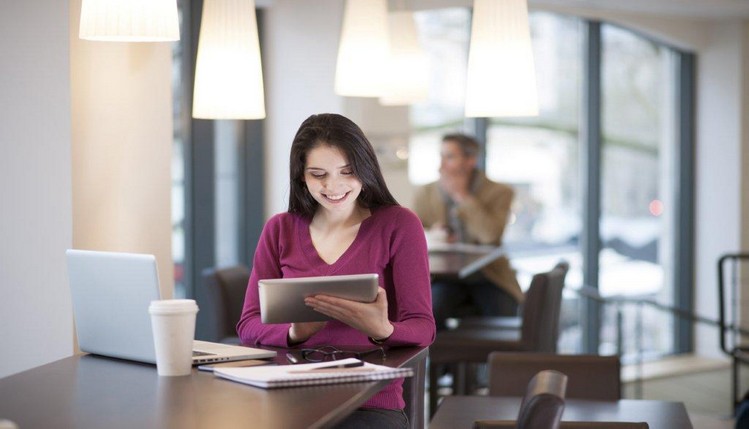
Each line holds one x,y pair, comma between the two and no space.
36,324
721,107
744,162
301,45
87,167
122,147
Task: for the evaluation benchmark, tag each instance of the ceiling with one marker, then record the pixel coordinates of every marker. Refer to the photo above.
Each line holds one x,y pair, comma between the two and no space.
710,9
705,9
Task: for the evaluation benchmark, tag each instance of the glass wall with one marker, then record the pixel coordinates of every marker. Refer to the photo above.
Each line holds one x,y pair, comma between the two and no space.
227,164
179,122
637,182
541,159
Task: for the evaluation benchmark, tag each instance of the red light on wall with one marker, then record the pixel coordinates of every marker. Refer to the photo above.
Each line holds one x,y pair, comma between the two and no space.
655,207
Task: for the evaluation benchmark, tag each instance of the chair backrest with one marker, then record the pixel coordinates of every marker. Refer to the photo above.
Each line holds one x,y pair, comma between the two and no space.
541,309
589,376
543,403
226,291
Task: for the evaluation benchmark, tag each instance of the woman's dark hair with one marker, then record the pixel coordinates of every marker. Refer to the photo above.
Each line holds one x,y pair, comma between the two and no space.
339,132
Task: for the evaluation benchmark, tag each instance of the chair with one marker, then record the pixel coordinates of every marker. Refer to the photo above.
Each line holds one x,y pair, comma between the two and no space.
226,290
538,333
499,322
546,386
543,403
542,406
589,376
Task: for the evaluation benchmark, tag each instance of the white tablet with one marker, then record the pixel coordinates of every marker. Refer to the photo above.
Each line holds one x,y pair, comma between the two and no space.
282,300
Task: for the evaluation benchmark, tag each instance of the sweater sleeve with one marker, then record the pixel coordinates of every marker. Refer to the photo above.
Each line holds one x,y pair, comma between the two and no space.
265,265
413,321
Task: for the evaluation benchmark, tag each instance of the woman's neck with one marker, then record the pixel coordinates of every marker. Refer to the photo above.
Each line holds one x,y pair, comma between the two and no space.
325,219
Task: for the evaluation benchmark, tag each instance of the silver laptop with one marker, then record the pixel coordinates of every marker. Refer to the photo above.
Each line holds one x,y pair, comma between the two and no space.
111,293
282,300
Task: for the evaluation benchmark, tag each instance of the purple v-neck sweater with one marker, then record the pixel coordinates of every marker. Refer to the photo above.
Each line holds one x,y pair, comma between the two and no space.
390,243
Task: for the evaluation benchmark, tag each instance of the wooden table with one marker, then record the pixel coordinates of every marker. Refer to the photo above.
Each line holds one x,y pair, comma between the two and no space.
457,412
88,391
459,260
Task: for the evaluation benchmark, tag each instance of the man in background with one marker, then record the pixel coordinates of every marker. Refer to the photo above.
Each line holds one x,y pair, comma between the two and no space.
464,206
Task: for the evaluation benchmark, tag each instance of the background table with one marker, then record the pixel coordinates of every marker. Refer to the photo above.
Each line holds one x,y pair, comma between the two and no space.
461,260
460,412
88,391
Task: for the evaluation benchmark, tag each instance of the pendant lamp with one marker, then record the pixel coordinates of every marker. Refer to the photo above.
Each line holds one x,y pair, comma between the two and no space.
501,79
363,49
228,73
129,20
407,73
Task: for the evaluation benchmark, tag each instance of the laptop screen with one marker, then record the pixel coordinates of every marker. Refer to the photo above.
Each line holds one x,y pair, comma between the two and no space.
111,293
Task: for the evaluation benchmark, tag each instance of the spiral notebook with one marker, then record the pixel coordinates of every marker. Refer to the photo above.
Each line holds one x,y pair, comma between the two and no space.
312,374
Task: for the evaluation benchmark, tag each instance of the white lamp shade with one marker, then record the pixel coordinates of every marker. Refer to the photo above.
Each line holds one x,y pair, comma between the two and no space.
129,20
501,79
407,73
228,73
363,49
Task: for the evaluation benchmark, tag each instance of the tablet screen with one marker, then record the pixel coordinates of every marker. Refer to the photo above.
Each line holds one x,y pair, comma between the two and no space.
282,300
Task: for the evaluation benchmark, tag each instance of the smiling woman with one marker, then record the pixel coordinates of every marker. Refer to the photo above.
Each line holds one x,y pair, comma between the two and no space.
343,220
329,178
334,135
331,183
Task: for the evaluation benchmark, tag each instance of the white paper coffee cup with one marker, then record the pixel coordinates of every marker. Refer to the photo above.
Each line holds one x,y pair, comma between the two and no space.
173,324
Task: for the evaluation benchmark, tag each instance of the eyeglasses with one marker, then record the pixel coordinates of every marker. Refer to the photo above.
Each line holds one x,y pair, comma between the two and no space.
327,353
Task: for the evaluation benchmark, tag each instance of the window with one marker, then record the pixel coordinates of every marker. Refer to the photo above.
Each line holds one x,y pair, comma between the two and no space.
545,159
637,182
540,158
180,115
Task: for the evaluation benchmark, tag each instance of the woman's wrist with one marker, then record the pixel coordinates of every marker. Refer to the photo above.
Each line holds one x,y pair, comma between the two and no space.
293,338
384,335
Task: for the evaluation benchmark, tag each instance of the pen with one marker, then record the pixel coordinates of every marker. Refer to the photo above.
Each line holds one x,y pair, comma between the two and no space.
328,369
344,365
291,358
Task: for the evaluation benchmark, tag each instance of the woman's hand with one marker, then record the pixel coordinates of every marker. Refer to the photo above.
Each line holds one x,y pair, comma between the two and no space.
370,318
300,332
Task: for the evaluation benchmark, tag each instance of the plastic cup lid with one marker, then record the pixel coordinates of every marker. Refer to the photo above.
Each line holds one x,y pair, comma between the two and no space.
173,306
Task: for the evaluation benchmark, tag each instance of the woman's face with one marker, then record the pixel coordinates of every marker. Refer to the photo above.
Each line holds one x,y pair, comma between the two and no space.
330,179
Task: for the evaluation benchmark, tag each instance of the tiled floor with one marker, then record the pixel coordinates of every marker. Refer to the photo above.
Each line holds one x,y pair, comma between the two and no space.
706,394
